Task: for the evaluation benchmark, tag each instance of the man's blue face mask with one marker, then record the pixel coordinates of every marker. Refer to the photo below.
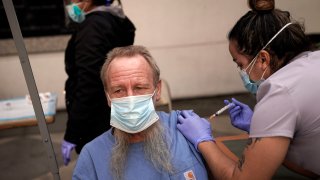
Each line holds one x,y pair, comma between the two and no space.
133,114
249,84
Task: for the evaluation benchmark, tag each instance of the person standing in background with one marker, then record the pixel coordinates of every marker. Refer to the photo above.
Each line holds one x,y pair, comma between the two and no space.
99,27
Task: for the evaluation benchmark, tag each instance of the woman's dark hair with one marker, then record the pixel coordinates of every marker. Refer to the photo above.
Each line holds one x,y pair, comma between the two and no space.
253,31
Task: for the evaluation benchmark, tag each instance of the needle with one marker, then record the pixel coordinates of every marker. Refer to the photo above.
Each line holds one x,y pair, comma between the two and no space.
220,111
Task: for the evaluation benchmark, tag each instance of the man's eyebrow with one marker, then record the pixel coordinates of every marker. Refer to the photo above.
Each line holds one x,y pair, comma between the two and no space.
143,84
115,86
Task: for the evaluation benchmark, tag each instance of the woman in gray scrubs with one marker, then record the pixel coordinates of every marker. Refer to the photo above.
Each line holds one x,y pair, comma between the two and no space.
276,63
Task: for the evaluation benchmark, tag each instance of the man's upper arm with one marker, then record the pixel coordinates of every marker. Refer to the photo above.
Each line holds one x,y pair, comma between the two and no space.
262,157
85,166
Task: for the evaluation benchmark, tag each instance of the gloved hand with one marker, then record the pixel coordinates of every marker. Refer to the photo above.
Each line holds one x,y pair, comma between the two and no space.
240,114
66,148
194,128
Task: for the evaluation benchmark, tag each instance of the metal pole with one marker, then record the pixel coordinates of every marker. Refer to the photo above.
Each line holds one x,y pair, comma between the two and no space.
24,60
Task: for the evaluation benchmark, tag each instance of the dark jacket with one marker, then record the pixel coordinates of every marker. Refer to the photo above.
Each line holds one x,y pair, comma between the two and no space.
88,111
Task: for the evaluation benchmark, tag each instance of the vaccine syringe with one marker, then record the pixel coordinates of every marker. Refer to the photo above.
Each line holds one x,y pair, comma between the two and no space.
220,111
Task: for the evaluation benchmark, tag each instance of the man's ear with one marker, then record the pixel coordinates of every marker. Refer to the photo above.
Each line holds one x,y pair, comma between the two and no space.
109,101
265,57
158,90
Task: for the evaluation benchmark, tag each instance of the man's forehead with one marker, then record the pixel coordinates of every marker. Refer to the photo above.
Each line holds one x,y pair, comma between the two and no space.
123,60
134,63
135,69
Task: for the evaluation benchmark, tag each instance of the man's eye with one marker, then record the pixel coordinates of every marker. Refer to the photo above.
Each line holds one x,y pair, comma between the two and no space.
117,91
140,88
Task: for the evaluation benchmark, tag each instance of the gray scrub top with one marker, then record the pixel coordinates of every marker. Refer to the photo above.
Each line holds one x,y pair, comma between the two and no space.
288,105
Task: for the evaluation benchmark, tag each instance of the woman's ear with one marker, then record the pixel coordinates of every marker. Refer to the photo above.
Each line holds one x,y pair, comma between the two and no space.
265,57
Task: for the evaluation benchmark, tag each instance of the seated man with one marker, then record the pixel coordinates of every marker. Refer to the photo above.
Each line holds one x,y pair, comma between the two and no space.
142,143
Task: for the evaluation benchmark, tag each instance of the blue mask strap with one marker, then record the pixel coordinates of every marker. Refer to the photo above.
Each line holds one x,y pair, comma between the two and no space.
108,2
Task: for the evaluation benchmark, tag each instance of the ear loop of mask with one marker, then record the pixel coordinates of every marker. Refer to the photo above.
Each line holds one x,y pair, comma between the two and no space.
256,57
251,64
263,73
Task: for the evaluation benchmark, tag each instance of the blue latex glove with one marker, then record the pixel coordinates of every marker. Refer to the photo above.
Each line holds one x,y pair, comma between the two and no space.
240,114
194,128
66,148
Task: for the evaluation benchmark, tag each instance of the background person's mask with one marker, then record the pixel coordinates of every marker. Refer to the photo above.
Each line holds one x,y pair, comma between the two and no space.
75,13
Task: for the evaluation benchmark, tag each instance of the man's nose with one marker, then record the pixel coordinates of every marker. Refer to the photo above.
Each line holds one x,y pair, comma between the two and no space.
130,92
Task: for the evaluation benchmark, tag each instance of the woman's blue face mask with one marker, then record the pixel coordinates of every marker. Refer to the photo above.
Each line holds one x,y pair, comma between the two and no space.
250,85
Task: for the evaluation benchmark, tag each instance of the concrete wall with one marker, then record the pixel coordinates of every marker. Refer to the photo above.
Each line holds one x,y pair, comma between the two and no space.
186,37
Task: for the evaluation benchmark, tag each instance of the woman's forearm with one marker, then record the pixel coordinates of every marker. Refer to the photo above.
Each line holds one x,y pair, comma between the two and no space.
221,166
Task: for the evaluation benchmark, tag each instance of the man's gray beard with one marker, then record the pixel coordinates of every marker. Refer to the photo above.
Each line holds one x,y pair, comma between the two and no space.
155,148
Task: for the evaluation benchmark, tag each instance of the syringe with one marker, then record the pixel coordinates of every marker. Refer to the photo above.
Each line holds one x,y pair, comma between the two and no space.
220,111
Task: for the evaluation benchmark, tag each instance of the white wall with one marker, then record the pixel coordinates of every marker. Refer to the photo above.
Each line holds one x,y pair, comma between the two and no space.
186,37
48,71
